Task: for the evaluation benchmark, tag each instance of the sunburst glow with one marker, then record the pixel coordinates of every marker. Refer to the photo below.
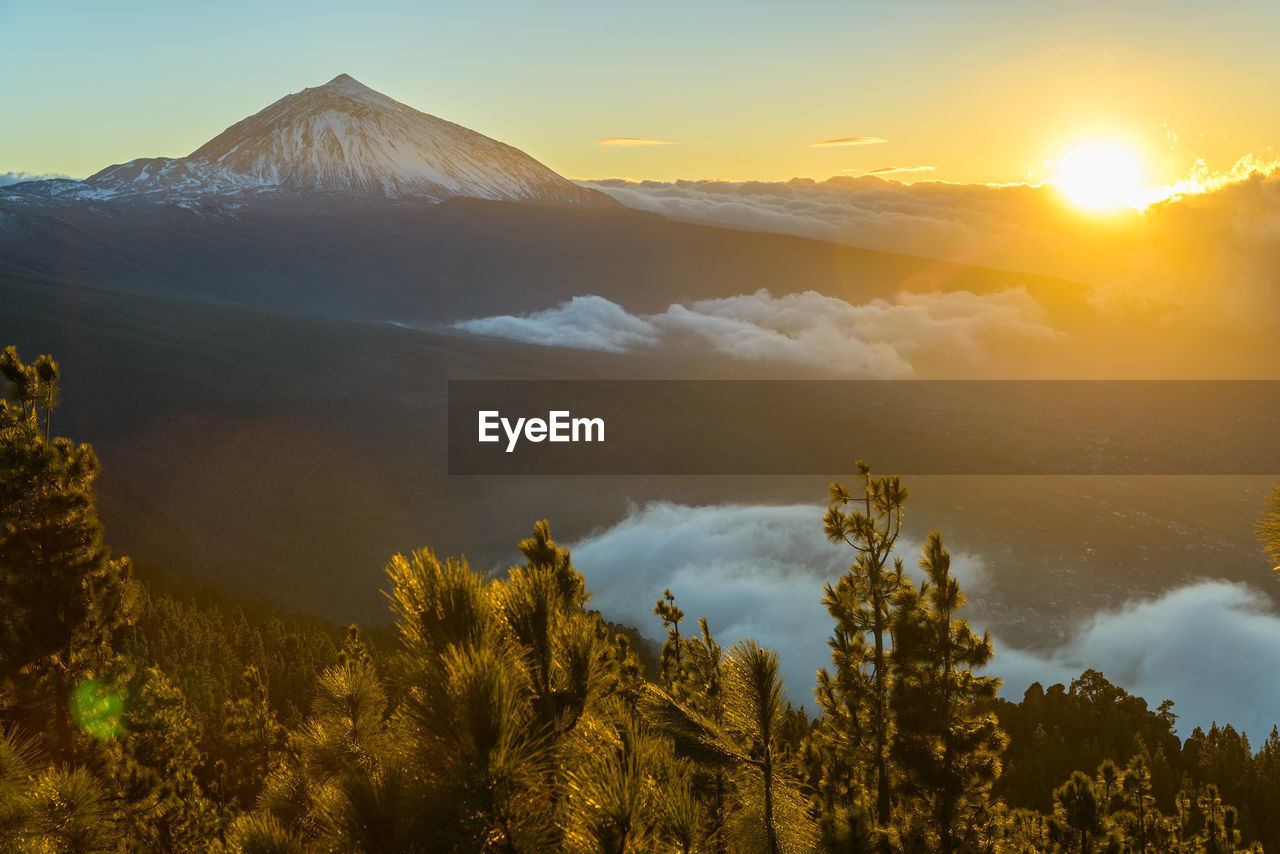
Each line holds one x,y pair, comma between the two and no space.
1101,178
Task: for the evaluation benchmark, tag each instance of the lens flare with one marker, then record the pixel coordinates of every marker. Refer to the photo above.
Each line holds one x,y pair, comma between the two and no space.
98,709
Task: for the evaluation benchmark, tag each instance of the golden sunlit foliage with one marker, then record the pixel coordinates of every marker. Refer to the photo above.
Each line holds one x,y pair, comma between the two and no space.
501,715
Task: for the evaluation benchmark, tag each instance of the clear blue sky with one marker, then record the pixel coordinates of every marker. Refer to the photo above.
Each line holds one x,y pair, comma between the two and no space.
981,91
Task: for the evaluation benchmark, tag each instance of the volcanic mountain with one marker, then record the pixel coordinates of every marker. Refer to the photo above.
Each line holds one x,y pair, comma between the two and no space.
340,140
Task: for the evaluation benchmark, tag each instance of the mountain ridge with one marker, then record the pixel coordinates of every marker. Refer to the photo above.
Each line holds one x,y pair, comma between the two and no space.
341,140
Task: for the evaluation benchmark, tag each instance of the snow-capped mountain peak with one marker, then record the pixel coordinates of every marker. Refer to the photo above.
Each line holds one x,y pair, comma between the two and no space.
351,87
341,139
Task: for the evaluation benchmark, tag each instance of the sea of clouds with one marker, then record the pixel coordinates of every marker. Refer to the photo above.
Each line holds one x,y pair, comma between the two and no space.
1212,647
874,339
1209,259
1212,254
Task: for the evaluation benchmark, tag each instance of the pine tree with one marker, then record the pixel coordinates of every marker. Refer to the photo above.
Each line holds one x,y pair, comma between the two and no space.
1107,782
71,813
63,598
1264,792
625,790
746,743
705,694
341,784
1076,807
1136,783
539,550
367,797
152,770
467,714
665,608
498,681
1211,806
19,762
947,745
251,736
259,833
861,604
757,710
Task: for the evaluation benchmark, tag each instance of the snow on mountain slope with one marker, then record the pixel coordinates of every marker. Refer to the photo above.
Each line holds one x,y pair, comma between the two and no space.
340,139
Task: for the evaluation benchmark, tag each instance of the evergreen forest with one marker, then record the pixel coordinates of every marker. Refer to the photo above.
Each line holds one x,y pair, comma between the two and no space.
141,712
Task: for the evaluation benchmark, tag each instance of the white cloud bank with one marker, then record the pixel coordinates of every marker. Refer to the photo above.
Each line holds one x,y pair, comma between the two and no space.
583,323
1212,647
805,329
751,570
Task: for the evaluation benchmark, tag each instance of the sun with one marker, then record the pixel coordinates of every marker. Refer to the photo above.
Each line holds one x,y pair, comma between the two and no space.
1101,178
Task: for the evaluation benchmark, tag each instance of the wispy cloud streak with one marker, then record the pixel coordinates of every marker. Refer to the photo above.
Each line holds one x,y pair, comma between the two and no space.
630,141
848,140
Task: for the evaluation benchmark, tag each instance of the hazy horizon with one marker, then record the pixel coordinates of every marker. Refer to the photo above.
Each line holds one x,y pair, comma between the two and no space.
736,95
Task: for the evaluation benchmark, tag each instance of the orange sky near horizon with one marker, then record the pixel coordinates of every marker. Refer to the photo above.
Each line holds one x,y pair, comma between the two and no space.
990,92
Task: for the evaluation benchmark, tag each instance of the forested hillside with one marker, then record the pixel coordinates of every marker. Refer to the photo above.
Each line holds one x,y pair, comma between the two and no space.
504,714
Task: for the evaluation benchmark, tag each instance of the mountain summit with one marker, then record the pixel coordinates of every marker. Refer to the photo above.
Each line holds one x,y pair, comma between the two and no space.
341,139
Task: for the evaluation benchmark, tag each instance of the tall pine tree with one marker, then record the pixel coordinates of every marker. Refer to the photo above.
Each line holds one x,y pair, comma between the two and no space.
861,602
63,598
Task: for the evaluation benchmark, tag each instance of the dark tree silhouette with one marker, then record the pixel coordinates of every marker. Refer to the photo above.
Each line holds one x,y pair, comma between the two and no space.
65,598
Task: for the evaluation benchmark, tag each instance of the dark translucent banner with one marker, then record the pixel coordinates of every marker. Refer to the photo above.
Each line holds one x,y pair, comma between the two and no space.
907,427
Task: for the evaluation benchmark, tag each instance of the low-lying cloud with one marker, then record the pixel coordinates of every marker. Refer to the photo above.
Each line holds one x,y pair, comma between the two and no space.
1212,647
806,329
7,178
751,570
1211,256
582,323
1017,226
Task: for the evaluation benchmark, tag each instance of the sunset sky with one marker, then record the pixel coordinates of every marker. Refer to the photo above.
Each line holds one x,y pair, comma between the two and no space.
976,92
